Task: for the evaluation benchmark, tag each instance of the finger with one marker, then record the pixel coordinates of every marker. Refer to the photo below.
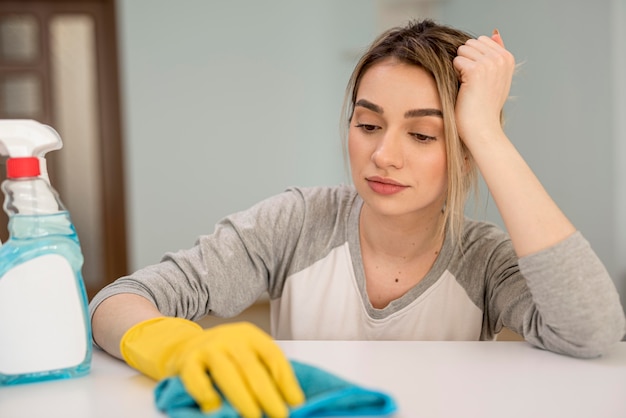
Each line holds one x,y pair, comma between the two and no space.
470,51
280,370
229,378
198,385
477,49
497,37
260,383
288,384
462,65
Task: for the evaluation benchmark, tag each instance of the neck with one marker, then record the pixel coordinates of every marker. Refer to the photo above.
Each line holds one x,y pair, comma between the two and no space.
401,238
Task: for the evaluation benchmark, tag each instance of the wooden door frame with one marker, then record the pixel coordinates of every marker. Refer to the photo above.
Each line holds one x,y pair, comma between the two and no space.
113,222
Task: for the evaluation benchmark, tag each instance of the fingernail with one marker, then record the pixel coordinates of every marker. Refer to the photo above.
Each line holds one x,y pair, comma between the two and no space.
496,32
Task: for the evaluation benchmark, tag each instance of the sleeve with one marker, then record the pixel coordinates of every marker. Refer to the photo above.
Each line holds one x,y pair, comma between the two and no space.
567,303
223,273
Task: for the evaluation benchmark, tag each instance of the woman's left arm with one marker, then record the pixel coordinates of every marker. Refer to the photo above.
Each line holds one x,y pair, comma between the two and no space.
532,219
576,308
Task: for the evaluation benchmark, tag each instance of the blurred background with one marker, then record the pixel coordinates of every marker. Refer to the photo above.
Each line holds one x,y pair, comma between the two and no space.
177,113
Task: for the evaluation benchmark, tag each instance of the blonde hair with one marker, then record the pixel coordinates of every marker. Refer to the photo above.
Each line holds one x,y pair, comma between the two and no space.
432,47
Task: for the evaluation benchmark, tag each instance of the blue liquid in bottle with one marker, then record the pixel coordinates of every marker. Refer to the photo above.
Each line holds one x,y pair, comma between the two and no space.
45,331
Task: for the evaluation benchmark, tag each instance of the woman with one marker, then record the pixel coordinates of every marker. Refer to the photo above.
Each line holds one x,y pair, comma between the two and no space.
392,257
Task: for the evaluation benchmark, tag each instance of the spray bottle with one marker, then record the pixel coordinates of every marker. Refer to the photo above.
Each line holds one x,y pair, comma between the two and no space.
45,332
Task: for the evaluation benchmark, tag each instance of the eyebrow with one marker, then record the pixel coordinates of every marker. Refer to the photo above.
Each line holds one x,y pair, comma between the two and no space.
413,113
369,105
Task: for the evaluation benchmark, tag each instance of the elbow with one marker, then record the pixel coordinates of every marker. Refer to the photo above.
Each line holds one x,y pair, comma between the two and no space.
598,343
582,338
599,340
604,333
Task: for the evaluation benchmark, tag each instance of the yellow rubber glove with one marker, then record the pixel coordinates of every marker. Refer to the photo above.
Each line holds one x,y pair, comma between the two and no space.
243,361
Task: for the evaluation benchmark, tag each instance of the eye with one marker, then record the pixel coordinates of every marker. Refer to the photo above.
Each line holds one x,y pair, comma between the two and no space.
367,128
421,137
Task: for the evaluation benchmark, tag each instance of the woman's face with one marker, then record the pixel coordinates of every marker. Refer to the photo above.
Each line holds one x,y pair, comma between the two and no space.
396,141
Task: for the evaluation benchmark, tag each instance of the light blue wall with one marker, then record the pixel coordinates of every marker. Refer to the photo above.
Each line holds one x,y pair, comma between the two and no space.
228,102
618,55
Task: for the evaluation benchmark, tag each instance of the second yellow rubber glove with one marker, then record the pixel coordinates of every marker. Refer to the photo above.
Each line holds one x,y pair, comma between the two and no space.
243,361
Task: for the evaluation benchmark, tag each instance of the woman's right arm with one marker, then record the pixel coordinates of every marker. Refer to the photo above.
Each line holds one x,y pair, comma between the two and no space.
244,362
116,315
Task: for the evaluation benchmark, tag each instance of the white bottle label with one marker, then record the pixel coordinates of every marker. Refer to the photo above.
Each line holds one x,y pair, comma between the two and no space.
42,324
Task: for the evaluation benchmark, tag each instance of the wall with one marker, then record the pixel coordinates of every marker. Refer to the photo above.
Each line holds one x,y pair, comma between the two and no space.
618,42
226,103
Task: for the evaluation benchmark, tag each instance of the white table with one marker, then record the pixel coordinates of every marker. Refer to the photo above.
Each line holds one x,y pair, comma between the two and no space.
427,379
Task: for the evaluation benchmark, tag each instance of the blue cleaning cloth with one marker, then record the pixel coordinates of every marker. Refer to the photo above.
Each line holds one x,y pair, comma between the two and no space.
326,396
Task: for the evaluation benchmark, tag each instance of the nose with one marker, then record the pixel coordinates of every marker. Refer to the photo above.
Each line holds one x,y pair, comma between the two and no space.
388,152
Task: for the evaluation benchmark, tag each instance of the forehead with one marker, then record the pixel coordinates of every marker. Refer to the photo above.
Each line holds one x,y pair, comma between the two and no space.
393,82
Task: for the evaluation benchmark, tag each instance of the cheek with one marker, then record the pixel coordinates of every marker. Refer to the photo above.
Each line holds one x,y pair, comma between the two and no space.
437,166
355,149
443,166
443,170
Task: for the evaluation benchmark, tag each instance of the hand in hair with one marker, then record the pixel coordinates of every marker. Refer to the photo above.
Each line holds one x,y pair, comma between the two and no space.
485,71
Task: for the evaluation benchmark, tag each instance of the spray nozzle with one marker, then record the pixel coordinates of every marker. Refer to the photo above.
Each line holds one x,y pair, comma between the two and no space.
27,138
21,138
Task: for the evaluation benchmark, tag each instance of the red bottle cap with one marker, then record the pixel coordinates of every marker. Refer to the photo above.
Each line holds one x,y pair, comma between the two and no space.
23,167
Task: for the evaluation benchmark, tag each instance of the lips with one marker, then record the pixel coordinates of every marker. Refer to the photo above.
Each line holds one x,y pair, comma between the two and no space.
385,186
